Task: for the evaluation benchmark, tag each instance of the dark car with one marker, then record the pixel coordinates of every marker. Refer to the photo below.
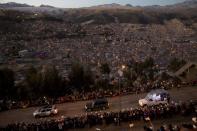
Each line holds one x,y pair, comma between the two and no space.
98,104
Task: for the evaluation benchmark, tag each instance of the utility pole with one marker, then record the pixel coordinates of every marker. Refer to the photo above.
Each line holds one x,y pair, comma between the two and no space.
120,72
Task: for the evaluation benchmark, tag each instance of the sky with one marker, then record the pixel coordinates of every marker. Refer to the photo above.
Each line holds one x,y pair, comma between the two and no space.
87,3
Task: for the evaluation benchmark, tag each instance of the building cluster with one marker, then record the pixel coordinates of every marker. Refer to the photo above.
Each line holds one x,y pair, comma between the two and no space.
60,44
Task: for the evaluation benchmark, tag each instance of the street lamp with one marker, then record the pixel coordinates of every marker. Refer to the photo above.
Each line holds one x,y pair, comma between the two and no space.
120,72
123,67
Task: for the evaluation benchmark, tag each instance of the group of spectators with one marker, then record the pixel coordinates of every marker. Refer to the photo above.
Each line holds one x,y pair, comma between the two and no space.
81,96
116,118
138,87
170,127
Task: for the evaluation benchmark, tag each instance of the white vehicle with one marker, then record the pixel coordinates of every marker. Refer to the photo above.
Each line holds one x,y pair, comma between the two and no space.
48,110
155,97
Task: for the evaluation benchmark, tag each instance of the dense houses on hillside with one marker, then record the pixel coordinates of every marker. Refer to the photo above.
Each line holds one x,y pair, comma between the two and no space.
61,44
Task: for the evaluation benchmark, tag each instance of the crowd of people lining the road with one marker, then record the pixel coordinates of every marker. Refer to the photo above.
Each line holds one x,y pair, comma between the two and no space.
130,116
140,88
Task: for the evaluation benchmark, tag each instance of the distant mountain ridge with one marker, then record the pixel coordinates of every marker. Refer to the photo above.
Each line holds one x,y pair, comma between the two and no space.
108,6
48,6
13,4
113,13
46,9
187,3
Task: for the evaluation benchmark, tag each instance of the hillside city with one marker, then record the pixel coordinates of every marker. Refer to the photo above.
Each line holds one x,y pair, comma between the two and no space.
63,58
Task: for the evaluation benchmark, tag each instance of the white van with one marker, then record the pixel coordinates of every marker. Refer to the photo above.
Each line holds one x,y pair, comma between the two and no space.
155,97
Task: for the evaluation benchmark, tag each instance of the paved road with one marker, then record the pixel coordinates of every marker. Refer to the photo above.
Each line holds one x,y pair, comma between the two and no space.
77,108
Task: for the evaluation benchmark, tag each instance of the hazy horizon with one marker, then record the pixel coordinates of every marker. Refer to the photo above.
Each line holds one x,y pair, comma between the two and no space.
88,3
